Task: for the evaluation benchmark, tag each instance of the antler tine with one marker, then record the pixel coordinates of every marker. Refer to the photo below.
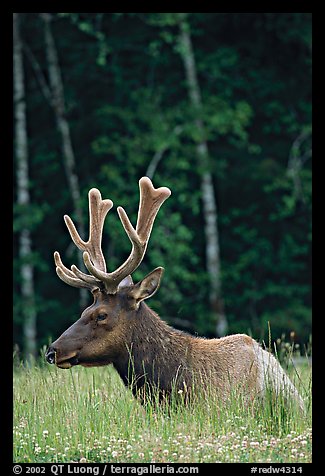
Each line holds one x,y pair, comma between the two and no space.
98,210
151,200
69,277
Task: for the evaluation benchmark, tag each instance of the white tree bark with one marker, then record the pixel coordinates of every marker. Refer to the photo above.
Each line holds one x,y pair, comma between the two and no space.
23,196
58,104
297,159
210,211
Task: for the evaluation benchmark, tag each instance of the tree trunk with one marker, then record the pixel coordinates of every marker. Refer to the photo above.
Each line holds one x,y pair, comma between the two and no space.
58,104
210,211
23,197
297,158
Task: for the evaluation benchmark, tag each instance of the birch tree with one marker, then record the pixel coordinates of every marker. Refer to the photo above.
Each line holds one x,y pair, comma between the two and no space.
23,194
210,211
299,154
57,101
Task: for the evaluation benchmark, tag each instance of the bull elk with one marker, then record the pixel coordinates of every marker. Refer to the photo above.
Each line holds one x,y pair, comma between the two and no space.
120,329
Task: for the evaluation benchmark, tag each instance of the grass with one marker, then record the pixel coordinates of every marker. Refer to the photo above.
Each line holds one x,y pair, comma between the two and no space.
87,415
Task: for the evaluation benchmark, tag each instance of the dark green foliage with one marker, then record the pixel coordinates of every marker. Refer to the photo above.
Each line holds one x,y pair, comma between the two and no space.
126,101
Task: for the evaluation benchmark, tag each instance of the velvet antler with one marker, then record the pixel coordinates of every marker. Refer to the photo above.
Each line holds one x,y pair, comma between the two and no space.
151,200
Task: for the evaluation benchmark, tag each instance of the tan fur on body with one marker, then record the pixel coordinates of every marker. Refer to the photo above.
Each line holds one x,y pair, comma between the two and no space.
234,364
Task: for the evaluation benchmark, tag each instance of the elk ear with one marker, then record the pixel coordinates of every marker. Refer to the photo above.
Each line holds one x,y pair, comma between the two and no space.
125,282
148,286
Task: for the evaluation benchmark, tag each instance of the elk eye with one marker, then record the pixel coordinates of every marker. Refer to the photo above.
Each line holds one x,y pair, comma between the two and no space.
101,317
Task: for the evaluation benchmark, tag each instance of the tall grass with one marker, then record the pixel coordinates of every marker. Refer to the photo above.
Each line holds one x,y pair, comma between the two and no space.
87,415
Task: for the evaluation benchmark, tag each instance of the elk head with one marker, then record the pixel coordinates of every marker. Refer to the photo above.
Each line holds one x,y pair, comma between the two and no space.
98,337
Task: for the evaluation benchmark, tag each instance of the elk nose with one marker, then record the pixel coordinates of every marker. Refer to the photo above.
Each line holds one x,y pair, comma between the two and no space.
50,355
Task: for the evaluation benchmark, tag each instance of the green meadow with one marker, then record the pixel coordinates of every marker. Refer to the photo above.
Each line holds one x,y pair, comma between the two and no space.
88,415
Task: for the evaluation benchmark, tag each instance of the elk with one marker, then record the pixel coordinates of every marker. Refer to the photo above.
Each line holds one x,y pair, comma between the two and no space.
120,329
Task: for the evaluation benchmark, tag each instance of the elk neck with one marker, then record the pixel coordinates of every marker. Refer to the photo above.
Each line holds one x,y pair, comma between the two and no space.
155,354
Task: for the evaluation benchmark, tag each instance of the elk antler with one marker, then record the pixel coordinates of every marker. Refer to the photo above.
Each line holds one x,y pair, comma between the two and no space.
98,210
151,200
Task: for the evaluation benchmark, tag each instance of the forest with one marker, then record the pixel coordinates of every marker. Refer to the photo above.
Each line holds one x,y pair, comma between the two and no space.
215,106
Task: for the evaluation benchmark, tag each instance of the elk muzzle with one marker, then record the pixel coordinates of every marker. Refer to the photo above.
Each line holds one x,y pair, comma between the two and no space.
64,362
